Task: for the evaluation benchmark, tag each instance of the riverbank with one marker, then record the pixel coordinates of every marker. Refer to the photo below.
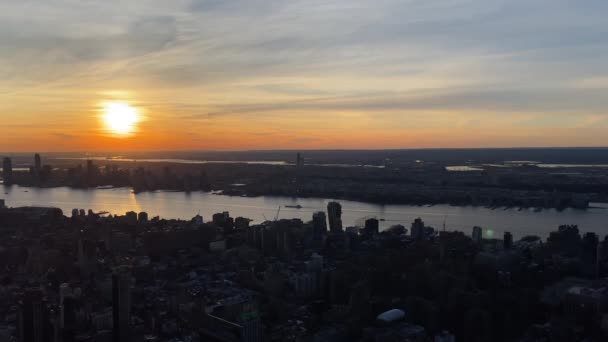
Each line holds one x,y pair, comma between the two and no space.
182,205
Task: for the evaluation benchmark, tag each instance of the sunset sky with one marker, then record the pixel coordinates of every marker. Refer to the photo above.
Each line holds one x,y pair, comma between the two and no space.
266,74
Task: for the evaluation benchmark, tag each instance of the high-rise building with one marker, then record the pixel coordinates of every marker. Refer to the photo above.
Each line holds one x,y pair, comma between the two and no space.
7,171
251,323
37,163
224,221
477,235
299,160
142,217
372,226
121,304
319,225
65,291
334,213
508,240
589,252
33,326
417,230
241,223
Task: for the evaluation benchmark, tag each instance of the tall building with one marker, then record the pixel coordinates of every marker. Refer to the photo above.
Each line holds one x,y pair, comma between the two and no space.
251,323
121,304
142,217
299,160
417,230
7,171
372,226
33,318
319,225
334,213
590,244
91,172
477,235
508,240
67,313
37,163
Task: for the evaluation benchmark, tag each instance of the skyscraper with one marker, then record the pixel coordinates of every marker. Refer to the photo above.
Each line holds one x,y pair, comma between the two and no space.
32,317
251,323
417,229
372,226
477,235
121,304
7,171
508,240
37,163
319,224
334,213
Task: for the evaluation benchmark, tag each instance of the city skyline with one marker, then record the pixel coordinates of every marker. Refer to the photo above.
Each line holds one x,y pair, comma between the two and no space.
256,75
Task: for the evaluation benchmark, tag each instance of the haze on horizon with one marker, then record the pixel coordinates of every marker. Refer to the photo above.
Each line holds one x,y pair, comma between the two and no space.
331,74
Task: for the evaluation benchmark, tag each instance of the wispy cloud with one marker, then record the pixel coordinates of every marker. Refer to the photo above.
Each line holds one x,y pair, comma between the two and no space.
214,64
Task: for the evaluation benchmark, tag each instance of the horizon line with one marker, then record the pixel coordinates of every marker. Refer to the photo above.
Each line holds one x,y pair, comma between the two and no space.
3,153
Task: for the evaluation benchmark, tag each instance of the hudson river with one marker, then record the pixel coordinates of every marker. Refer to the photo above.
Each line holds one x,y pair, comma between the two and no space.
186,205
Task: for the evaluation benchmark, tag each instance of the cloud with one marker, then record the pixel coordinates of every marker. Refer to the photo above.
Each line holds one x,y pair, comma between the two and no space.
64,135
376,62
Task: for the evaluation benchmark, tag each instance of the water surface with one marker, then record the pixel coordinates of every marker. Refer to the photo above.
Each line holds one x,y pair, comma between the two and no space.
186,205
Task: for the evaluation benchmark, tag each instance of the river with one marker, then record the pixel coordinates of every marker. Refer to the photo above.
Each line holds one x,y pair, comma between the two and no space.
181,205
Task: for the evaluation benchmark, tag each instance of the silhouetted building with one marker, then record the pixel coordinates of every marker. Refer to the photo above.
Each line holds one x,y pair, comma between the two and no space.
319,225
142,217
241,223
252,328
121,304
34,325
372,226
417,230
37,166
7,171
590,245
131,217
224,221
334,213
299,160
477,235
91,172
508,240
67,312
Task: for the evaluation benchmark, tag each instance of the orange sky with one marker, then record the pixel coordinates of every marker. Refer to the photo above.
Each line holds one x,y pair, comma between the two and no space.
307,75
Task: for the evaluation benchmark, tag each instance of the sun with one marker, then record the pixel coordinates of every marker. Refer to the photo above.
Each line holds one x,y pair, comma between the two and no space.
120,118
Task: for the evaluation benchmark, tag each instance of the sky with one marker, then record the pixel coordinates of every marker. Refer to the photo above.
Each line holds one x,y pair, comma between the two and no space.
291,74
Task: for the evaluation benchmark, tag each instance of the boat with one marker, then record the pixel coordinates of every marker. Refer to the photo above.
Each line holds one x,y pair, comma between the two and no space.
294,206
